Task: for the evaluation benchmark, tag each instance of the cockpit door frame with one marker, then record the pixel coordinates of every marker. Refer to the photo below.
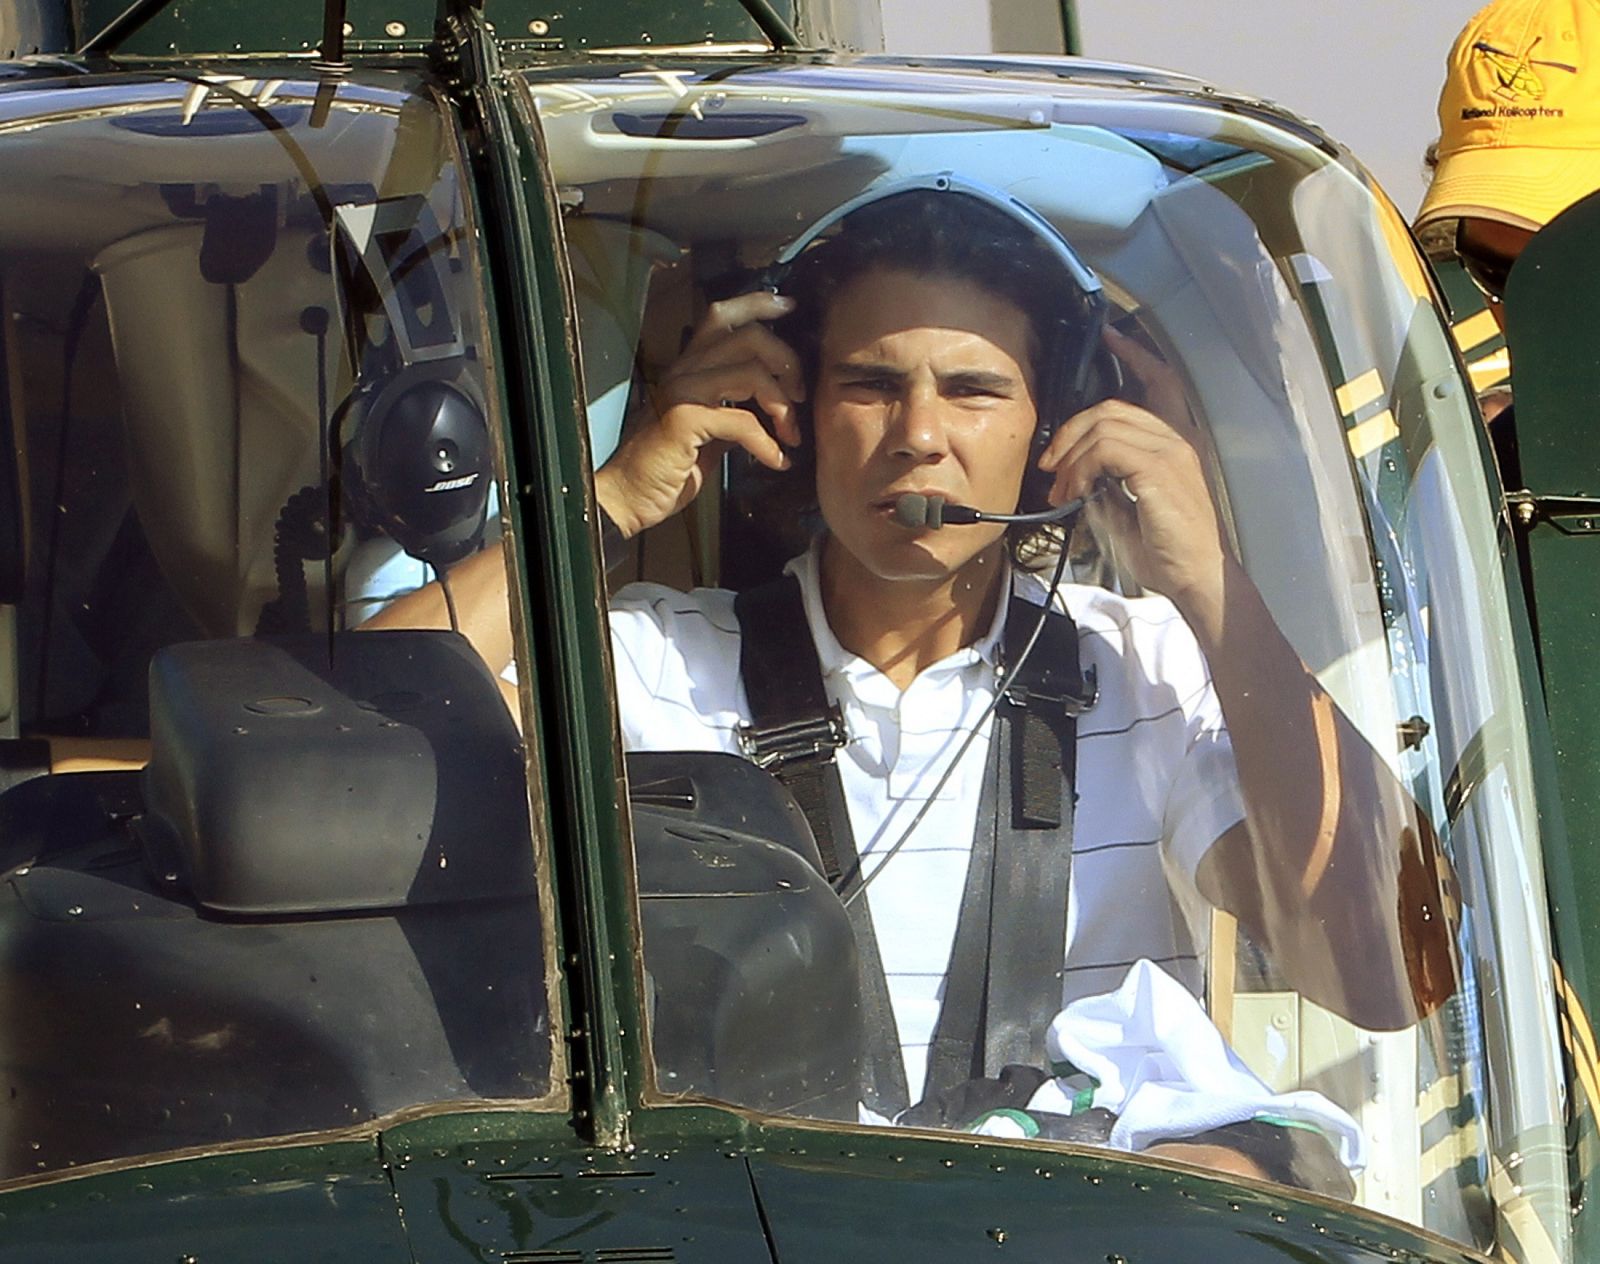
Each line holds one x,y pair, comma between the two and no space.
564,584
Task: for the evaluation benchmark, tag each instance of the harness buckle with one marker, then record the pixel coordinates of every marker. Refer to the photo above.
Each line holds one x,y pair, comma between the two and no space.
808,740
1067,700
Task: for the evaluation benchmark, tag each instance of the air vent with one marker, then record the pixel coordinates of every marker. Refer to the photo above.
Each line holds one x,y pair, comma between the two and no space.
524,1176
212,121
587,1174
729,125
544,1257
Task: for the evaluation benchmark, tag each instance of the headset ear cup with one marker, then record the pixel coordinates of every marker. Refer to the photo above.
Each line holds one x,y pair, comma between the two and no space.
1103,379
1100,378
422,463
774,514
1036,483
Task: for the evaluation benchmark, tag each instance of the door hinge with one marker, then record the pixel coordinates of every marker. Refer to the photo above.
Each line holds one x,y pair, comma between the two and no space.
1570,515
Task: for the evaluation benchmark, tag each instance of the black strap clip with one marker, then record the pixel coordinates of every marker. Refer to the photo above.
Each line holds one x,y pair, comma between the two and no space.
1050,694
808,740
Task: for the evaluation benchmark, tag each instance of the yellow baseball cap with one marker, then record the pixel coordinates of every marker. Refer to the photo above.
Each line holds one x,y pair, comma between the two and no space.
1519,116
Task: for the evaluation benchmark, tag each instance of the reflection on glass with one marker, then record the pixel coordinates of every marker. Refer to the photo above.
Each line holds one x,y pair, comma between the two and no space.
272,874
1196,863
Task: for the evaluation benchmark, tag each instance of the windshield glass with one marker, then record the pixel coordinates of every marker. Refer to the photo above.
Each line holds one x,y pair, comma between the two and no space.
1230,857
264,817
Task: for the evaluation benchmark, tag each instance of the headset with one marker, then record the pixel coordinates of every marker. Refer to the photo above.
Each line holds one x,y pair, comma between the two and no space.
1075,368
407,452
413,436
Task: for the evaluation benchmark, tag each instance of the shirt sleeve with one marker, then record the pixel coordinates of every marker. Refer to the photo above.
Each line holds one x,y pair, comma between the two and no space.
676,659
380,572
1156,689
1204,799
638,651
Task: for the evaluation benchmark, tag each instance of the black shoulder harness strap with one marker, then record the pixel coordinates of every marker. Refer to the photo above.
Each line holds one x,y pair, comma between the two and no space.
1004,982
793,734
794,729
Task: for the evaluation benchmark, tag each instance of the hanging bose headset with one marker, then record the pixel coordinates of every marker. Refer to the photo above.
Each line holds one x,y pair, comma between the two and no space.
407,452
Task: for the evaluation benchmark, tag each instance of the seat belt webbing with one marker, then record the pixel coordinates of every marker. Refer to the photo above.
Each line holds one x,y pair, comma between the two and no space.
794,729
1004,986
793,733
1004,982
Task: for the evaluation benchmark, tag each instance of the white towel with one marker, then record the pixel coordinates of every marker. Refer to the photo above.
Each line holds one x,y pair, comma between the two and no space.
1165,1071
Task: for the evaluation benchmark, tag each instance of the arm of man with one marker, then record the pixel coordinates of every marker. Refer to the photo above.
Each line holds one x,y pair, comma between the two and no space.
1335,870
697,411
478,586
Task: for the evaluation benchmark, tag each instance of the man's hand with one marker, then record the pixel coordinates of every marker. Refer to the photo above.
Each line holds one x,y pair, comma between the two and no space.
1165,524
700,408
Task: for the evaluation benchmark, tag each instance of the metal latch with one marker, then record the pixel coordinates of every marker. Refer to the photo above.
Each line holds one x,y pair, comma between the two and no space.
1068,701
1412,733
815,737
1570,515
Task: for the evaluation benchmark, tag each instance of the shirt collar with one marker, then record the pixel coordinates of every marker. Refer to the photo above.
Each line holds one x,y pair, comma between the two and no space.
833,657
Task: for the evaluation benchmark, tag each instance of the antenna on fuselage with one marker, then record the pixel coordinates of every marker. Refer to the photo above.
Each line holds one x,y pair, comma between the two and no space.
331,65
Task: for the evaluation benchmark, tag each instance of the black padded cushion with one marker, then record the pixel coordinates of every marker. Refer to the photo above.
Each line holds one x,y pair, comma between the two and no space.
309,775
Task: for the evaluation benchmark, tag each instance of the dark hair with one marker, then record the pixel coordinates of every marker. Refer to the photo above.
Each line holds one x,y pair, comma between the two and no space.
951,234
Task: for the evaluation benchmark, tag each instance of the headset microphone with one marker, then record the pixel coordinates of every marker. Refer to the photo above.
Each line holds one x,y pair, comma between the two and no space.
916,511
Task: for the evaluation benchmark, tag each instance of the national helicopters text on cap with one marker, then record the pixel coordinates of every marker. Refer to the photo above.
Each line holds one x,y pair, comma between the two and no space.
1519,116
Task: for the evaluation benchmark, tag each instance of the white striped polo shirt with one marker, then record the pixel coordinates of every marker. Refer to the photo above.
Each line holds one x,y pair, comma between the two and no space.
1156,777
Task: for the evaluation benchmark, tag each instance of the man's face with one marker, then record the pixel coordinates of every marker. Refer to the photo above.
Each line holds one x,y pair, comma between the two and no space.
925,384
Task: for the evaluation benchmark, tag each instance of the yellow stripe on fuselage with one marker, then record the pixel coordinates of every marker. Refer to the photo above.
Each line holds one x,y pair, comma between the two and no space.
1372,434
1478,328
1490,370
1358,392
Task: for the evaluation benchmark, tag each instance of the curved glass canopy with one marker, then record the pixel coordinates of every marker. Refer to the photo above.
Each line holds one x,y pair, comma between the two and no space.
266,873
1198,823
1296,928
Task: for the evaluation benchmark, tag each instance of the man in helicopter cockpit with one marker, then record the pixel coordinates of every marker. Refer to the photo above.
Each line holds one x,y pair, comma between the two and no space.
933,348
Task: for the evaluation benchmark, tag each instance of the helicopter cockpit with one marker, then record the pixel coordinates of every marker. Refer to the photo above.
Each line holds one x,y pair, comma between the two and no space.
247,842
275,822
1299,347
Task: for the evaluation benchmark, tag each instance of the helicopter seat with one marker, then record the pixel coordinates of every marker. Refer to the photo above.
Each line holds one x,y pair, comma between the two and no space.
319,899
311,775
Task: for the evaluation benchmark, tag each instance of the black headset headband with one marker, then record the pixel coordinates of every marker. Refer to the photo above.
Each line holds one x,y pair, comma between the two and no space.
1070,376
